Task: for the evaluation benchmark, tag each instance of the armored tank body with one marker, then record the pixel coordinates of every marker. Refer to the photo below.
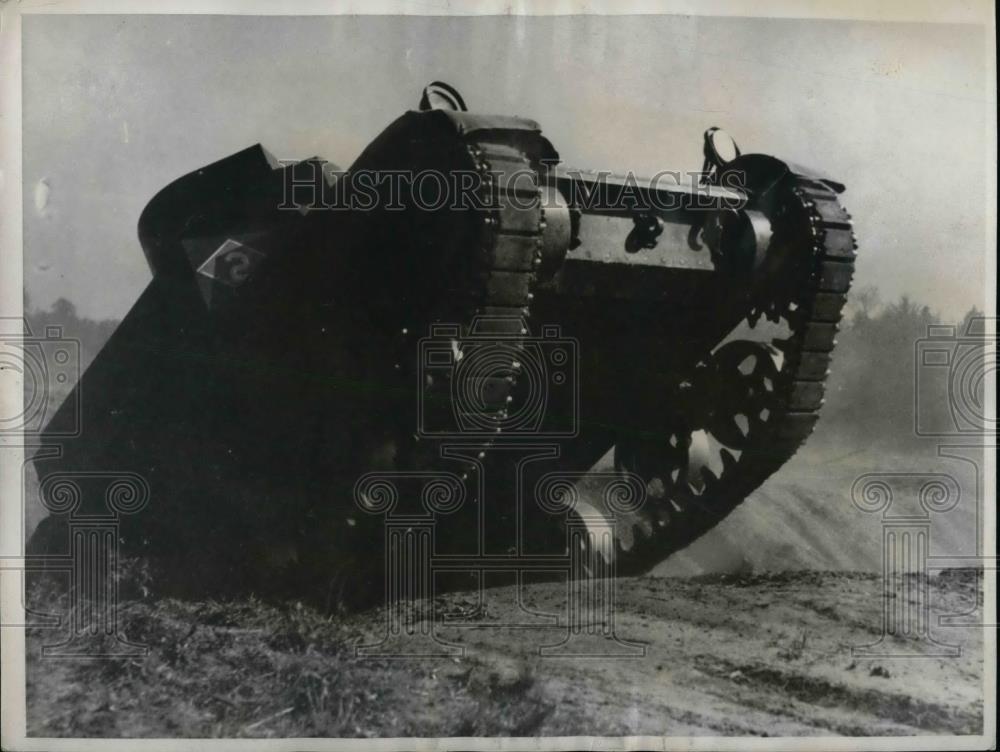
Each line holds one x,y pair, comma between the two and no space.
454,301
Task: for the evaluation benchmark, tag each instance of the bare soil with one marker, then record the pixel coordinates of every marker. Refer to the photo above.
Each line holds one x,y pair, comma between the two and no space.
756,655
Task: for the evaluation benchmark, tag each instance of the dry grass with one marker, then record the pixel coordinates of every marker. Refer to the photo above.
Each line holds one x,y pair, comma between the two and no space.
246,668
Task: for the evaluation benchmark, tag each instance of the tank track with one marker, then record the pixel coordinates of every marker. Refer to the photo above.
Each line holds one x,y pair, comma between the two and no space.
809,221
812,219
493,293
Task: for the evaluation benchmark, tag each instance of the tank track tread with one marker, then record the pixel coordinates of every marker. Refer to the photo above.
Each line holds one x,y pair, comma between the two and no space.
814,313
499,293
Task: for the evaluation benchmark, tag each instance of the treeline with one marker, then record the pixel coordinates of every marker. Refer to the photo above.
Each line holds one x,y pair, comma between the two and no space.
877,373
90,333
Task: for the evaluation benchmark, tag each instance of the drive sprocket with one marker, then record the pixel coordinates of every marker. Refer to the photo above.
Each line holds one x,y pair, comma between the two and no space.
745,409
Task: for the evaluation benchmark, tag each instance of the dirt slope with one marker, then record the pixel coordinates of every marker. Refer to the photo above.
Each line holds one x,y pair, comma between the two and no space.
764,655
803,517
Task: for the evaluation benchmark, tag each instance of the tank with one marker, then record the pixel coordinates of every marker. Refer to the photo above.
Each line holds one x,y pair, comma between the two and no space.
457,305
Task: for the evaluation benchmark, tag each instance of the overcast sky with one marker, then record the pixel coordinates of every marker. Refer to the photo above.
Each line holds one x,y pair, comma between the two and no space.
115,107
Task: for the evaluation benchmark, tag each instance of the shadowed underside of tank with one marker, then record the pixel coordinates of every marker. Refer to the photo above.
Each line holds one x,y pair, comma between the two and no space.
306,328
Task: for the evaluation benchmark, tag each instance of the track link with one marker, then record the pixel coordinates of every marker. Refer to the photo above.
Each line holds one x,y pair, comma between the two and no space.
489,305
